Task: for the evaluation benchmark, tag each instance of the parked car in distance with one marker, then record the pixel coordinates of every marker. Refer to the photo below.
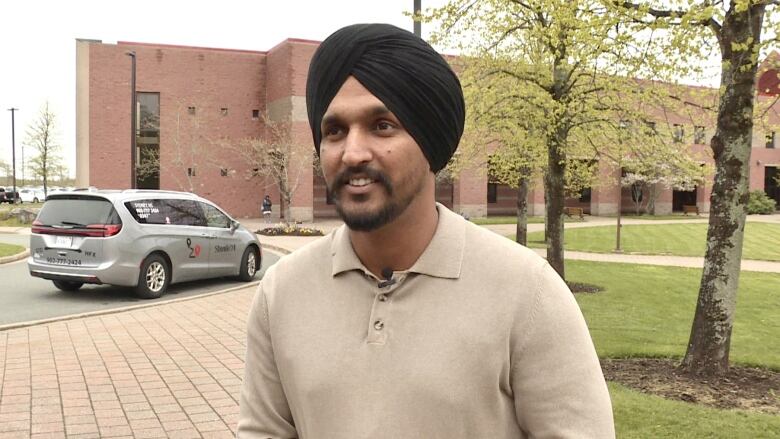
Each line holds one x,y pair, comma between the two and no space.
7,195
138,238
32,195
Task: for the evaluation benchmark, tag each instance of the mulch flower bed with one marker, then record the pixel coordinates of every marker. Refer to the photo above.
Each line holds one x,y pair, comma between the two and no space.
579,287
289,230
746,388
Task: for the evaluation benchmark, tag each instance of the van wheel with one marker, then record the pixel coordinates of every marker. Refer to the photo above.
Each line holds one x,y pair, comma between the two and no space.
250,263
66,285
35,200
154,278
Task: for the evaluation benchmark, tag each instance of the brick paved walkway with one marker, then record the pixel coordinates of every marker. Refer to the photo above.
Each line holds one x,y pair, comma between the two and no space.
172,370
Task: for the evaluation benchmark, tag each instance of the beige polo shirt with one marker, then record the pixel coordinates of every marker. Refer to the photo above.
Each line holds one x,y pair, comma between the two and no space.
479,339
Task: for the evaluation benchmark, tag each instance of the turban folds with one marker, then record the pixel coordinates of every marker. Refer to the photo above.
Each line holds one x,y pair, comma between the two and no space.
402,71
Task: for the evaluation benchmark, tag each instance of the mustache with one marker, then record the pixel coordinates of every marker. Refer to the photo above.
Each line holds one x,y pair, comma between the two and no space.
347,174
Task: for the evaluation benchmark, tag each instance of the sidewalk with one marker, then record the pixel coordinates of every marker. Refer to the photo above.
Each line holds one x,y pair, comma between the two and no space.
170,370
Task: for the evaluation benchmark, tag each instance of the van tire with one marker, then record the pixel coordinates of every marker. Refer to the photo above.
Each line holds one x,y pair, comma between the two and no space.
154,278
66,285
245,272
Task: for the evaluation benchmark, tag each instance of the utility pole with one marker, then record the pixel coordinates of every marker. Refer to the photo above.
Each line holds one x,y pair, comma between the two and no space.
417,24
133,133
13,148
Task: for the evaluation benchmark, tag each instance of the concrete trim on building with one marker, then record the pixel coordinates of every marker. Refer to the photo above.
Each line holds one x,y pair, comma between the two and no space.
288,106
82,111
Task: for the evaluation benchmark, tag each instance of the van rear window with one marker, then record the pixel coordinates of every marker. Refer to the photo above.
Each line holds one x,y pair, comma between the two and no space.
78,210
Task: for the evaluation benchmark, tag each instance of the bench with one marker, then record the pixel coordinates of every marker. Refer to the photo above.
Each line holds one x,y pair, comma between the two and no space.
574,211
690,208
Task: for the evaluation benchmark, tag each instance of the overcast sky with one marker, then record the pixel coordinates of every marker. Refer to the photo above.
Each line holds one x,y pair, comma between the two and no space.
38,42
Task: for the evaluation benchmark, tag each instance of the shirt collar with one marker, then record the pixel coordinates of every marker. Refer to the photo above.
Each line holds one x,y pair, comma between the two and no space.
442,257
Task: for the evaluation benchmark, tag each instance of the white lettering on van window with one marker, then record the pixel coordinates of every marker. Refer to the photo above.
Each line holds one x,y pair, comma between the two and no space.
145,209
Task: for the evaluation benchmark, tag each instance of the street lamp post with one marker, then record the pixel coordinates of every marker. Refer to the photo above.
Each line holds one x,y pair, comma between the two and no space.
133,117
13,148
417,24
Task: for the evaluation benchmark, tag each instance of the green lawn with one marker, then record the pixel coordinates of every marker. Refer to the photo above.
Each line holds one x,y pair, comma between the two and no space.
762,240
646,311
640,416
10,249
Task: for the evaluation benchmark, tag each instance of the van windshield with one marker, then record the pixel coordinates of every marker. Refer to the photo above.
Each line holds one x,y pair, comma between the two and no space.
77,211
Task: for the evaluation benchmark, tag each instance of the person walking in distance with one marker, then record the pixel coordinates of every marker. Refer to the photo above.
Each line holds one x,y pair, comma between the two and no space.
266,208
409,321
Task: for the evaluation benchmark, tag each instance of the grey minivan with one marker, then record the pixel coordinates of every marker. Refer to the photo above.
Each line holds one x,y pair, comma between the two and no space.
138,238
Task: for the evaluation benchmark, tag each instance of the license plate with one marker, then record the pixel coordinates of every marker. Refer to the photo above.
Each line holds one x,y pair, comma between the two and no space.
63,241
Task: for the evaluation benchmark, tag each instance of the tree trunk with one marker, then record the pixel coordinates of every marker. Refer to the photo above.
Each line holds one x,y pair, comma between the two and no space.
710,340
554,180
522,208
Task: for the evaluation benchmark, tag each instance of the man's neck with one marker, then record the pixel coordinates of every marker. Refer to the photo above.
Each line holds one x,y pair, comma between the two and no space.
399,244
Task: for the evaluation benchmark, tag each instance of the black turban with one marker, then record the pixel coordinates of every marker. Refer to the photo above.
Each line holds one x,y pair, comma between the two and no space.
402,71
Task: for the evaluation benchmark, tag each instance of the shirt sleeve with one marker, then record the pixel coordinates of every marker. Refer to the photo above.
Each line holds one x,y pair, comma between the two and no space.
264,411
557,382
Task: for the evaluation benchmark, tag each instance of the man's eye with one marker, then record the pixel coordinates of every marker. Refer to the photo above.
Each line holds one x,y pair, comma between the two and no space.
331,131
382,126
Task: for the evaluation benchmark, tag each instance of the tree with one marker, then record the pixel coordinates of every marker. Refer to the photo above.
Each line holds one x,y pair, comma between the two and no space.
497,136
564,57
193,146
277,158
736,27
41,137
6,169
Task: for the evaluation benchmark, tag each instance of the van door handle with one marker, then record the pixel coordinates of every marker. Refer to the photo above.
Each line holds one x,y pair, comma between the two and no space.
206,235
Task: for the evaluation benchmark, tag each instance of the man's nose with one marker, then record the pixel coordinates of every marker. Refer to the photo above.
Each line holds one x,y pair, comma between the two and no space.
357,150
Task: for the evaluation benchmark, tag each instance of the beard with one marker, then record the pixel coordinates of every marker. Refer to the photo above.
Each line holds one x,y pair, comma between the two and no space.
366,220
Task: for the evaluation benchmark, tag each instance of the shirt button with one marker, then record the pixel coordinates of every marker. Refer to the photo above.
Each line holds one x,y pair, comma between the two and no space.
382,298
378,325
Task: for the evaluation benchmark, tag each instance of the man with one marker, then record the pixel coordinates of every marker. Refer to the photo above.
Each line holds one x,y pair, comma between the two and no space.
409,322
266,208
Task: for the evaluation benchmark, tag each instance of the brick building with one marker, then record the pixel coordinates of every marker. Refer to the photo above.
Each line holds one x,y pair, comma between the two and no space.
190,97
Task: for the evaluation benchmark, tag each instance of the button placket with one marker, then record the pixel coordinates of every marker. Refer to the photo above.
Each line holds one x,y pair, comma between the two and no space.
377,323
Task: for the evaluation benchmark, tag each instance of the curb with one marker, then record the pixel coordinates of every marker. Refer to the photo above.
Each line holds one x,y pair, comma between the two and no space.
103,312
275,248
16,257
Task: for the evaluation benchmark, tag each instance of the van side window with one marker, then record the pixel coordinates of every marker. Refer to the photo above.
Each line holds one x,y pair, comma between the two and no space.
185,212
148,211
215,218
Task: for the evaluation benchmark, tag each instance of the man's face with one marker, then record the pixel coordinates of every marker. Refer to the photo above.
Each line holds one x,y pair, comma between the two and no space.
373,168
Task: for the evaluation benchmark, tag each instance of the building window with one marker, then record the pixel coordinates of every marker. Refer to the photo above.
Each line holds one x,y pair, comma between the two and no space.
147,141
191,110
678,133
255,114
770,140
191,172
492,193
223,172
328,197
698,135
223,111
585,195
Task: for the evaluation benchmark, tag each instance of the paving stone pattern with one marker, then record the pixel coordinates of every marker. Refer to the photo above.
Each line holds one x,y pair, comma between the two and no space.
166,371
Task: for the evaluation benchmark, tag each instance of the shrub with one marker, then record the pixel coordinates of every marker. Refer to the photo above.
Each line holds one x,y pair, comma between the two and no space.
760,203
289,230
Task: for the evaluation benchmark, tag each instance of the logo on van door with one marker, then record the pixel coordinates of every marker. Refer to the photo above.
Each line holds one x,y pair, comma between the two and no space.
194,251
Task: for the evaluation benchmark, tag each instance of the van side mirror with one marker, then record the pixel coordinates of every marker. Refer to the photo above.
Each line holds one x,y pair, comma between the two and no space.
234,225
